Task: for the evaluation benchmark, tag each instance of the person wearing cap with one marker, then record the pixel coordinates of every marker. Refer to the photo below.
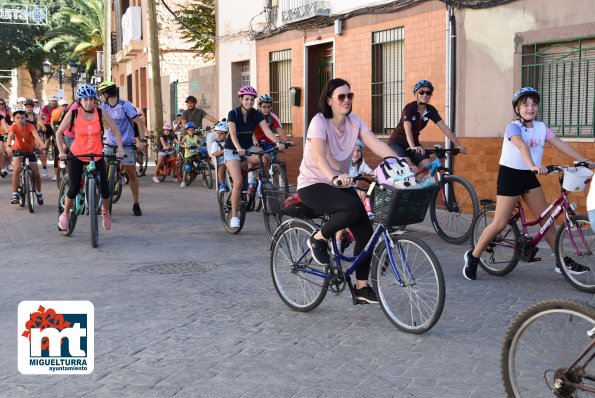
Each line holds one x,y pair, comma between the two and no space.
194,114
36,107
21,101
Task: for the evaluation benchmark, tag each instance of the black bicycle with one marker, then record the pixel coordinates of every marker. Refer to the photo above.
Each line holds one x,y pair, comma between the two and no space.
26,188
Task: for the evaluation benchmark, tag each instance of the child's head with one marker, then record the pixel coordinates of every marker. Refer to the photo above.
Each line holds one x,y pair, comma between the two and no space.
357,151
190,128
221,130
167,129
525,103
265,103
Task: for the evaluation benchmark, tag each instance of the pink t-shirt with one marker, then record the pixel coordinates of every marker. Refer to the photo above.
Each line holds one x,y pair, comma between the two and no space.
338,151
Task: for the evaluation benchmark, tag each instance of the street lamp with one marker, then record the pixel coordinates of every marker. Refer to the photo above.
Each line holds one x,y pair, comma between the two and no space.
46,66
73,72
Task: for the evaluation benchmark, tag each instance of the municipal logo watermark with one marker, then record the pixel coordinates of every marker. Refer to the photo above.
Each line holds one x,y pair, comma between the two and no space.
56,337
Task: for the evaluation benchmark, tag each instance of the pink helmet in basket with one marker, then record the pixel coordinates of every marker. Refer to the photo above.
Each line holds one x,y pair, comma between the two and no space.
395,172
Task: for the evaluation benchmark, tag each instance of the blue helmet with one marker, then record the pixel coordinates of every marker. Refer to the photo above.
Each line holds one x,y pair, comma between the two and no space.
190,125
422,83
359,143
525,91
86,91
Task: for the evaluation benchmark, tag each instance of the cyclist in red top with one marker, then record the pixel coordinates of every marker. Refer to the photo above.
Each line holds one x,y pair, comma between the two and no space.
88,138
25,136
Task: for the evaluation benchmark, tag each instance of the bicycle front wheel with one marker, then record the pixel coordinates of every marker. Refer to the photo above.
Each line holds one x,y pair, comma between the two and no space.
452,209
224,200
541,344
30,190
112,172
290,259
577,244
415,304
500,257
142,160
92,200
207,176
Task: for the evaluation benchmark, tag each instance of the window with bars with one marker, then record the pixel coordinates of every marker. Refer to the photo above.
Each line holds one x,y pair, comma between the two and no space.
240,76
279,83
387,79
564,75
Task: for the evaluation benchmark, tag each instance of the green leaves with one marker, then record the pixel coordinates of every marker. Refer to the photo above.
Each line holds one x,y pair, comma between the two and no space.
197,22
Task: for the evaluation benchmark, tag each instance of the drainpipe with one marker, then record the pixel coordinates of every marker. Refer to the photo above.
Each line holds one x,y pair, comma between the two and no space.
451,75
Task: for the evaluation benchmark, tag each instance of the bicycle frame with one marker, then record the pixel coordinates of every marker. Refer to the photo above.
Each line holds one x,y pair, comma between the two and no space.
562,374
359,259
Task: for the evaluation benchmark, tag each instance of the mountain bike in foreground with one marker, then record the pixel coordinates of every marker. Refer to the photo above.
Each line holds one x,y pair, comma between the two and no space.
548,351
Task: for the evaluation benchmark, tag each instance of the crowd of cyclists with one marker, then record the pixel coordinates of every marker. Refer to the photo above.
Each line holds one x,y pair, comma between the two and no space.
332,153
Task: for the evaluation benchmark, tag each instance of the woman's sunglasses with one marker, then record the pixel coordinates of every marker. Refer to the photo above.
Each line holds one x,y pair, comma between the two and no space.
341,97
422,92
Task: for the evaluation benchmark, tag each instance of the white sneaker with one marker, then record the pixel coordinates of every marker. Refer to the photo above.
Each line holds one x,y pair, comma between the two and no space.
44,172
156,179
183,184
54,178
234,222
10,168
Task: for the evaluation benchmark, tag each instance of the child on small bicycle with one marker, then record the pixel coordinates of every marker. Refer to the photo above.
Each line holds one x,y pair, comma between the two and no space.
168,141
520,161
190,143
217,150
25,137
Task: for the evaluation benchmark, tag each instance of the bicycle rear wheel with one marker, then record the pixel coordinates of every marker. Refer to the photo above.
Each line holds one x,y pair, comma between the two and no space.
540,345
92,195
112,172
30,190
500,257
117,193
415,305
290,258
142,160
64,185
452,209
207,176
578,244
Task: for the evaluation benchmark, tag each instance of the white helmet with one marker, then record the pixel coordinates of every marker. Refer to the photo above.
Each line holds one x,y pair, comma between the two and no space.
18,109
21,99
62,102
53,98
35,100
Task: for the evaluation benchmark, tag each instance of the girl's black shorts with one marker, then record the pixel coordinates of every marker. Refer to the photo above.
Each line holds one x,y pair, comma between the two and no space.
515,182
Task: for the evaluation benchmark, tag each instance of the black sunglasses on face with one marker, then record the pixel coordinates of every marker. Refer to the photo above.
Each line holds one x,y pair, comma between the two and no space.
341,97
422,92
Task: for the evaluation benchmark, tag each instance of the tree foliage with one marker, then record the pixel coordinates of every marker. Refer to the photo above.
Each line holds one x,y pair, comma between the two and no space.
197,22
78,32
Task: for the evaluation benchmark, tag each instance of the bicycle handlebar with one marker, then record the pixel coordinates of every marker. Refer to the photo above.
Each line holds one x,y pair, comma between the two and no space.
560,168
440,152
93,155
268,151
17,153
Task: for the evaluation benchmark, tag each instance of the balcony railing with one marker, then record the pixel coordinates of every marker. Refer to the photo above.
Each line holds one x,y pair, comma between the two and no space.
299,10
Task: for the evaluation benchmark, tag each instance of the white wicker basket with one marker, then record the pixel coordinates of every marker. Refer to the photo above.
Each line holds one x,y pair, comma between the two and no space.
576,179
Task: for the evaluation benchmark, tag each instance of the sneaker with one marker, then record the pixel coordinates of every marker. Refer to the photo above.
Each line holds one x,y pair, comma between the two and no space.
14,198
136,210
40,199
3,172
183,184
573,267
156,179
63,222
234,222
319,250
54,178
44,172
366,294
470,268
222,188
10,168
107,221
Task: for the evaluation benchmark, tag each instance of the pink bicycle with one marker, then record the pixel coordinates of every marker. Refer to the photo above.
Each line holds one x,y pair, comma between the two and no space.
574,241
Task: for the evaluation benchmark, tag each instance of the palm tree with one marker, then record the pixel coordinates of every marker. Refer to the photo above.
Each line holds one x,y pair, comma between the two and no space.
79,32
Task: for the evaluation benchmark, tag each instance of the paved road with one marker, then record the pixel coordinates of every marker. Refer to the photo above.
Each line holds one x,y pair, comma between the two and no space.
184,309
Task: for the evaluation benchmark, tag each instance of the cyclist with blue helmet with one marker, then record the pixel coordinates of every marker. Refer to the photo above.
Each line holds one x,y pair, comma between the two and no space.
86,122
404,139
520,161
190,143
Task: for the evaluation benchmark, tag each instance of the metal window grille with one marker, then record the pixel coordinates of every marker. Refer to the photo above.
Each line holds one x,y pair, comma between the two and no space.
388,79
280,82
245,73
564,75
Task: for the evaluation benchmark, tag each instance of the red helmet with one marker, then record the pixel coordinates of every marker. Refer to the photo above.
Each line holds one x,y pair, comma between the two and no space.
247,90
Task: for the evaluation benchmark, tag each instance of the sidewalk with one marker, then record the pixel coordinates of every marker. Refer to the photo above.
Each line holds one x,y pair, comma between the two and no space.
184,309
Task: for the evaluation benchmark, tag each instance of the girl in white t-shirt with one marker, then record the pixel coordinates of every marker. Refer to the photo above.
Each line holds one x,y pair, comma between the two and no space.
522,149
591,207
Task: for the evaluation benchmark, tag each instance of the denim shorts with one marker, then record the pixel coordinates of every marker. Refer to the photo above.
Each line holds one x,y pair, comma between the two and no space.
592,219
231,154
68,140
129,155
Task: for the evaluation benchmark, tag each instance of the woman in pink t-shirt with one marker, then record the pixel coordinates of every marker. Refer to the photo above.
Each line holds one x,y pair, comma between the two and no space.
324,183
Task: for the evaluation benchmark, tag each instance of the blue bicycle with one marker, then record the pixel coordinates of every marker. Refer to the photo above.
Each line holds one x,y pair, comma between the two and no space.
88,199
405,272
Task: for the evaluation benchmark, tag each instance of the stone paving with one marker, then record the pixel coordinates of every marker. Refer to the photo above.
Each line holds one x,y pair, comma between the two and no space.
184,309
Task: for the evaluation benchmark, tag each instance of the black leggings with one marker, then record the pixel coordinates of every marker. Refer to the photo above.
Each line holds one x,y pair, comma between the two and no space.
346,210
75,172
